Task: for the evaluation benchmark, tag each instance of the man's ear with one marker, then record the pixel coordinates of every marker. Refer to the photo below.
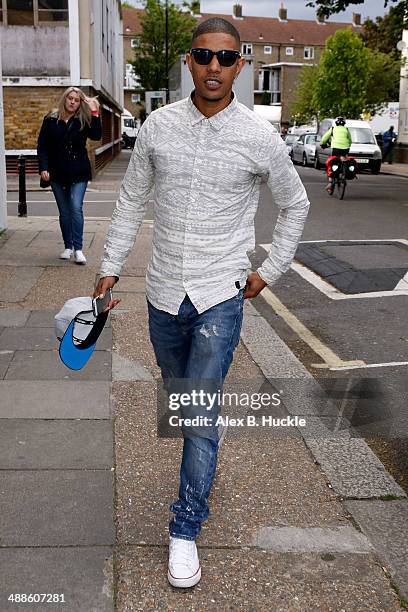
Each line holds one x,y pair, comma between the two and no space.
189,60
240,65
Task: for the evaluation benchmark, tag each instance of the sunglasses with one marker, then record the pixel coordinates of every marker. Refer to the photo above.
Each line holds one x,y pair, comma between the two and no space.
225,57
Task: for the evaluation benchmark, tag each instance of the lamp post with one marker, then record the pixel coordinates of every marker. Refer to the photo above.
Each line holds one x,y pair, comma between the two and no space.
167,53
3,186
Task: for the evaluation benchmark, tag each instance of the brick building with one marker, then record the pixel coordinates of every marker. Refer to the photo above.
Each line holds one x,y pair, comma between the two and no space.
46,49
132,92
279,45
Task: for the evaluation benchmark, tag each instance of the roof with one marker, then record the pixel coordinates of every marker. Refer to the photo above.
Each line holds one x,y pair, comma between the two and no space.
131,20
273,31
303,32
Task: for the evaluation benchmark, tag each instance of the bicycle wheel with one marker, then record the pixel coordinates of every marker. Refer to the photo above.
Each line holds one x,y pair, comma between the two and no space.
341,185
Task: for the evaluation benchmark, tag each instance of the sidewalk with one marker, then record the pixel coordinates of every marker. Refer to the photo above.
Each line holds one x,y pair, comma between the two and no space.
397,169
296,523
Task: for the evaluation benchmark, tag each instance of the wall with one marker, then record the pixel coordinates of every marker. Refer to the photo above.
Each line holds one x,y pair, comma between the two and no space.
29,51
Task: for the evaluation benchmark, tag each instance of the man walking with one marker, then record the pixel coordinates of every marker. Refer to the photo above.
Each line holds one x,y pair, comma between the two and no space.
389,138
205,157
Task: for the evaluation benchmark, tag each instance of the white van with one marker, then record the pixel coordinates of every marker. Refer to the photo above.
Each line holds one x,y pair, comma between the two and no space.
364,147
129,128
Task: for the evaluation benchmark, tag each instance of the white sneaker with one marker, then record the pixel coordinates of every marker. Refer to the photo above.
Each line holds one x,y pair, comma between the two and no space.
66,254
80,257
184,565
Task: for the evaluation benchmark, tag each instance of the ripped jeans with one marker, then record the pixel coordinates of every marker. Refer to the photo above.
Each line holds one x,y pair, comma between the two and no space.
196,347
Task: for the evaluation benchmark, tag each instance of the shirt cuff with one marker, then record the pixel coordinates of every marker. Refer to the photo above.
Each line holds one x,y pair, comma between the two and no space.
269,274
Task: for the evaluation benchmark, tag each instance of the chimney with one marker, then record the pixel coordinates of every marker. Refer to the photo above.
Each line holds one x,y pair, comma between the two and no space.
237,11
283,13
195,7
320,18
357,20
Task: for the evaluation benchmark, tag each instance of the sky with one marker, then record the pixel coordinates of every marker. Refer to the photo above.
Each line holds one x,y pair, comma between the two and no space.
296,8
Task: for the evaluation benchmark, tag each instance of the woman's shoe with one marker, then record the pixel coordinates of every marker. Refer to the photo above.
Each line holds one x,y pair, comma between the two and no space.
80,257
66,254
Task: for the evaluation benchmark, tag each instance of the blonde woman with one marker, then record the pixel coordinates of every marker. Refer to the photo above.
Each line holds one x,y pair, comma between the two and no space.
63,160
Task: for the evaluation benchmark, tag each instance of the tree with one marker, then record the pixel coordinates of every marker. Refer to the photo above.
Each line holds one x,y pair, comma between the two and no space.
384,80
350,79
325,8
150,61
304,107
384,33
342,79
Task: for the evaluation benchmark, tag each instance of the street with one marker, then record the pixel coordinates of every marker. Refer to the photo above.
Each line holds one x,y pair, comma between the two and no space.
357,337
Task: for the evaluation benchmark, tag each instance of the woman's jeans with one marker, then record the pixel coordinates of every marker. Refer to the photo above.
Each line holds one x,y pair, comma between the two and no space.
70,200
198,349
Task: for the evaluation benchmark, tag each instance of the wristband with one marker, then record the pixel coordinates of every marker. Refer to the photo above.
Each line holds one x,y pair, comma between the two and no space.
95,113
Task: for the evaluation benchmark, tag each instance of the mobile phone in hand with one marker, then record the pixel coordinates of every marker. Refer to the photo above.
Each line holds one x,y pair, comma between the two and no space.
99,304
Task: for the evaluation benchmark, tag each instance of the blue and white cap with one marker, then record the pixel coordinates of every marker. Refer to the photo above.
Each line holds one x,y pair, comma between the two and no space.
78,329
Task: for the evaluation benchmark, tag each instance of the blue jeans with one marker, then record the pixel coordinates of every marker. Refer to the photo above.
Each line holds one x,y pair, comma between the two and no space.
196,347
69,201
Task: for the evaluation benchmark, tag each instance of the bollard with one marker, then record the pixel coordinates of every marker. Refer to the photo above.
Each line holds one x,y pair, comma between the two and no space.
22,191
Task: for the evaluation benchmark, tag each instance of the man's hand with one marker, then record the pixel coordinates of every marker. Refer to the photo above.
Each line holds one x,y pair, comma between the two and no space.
101,288
45,175
254,285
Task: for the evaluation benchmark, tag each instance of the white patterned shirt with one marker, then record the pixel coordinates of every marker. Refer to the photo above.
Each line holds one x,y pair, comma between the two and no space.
206,175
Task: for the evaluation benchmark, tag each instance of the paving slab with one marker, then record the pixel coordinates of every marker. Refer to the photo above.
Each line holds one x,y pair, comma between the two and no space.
42,338
13,317
25,338
255,581
353,469
46,365
56,508
125,369
5,360
385,523
21,283
343,539
272,355
83,575
36,400
283,484
63,444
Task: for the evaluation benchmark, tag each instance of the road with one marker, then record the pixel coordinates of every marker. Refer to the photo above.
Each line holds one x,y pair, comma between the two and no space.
358,334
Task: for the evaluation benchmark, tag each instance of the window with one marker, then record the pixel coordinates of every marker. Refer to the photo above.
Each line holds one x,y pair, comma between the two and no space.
135,42
246,49
135,98
308,53
289,50
20,12
52,10
267,49
34,12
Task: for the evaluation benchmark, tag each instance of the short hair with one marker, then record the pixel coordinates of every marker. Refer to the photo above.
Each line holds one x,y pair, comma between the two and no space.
216,25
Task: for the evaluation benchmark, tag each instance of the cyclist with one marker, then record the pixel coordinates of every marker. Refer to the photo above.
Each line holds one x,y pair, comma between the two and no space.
340,138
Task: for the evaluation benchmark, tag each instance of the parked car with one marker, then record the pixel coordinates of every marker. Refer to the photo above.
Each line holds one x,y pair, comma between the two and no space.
290,141
304,149
364,147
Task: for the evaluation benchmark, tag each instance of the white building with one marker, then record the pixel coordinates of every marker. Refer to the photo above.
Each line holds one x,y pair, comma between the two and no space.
48,45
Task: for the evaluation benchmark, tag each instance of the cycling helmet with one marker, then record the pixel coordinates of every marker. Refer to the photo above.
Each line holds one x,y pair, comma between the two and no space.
340,121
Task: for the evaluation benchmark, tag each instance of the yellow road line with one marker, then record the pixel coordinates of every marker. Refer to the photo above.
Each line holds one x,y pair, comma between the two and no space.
330,359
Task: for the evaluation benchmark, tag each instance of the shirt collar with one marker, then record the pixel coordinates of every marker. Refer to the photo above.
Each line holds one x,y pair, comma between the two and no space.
216,121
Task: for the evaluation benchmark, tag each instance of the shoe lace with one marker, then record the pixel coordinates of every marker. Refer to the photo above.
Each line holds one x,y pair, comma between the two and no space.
181,550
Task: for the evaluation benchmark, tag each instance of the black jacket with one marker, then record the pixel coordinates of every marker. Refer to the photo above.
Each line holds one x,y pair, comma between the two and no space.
61,149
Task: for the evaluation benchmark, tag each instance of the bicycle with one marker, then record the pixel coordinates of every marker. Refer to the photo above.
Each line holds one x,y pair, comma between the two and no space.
340,180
